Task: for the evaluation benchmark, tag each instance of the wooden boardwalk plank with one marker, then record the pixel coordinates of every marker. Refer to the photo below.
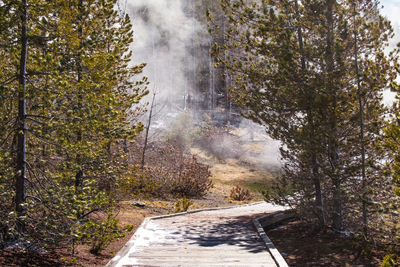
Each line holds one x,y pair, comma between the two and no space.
221,237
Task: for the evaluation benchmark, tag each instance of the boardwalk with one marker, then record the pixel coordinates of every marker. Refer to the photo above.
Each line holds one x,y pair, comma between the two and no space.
221,237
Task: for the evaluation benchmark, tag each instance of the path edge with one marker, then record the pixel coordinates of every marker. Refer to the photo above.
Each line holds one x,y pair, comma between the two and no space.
125,249
276,255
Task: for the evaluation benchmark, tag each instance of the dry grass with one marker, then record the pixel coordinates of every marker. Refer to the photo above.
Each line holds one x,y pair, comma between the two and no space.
236,171
231,172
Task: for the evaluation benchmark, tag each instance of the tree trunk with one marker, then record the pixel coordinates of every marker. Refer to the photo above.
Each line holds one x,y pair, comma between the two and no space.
319,206
147,132
333,155
226,77
79,175
20,187
361,121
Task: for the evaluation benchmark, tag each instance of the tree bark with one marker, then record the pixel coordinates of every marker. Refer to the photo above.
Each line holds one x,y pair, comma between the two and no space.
147,132
319,206
79,175
333,155
20,187
362,130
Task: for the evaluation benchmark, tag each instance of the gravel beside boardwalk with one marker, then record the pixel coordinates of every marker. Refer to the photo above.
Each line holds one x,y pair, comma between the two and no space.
219,237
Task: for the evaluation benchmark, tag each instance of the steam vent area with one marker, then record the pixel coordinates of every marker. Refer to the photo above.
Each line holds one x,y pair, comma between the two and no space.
199,133
190,105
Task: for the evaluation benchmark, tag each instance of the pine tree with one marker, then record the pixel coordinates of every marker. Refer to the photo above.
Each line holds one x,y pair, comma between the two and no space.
317,89
94,105
391,143
372,71
80,100
278,64
8,98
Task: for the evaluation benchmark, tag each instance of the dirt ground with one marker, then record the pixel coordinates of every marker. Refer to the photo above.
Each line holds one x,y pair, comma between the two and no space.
128,215
301,245
230,172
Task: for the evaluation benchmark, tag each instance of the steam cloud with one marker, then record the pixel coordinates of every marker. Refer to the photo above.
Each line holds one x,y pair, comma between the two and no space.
164,34
163,31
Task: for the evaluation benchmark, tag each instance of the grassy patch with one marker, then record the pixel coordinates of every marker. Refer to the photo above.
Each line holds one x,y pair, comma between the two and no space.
258,187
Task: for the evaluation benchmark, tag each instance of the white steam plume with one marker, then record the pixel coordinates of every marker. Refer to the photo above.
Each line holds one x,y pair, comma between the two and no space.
163,32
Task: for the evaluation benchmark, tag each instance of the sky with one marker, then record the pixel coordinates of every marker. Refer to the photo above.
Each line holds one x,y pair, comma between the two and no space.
391,9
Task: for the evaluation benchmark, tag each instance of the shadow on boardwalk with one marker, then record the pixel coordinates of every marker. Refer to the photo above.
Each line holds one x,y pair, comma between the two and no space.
237,231
219,237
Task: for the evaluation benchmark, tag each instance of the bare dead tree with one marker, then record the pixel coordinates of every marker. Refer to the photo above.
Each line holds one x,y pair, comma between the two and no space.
147,131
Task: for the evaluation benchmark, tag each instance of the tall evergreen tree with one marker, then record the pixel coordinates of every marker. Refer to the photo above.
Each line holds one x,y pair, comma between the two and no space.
80,97
372,71
391,143
318,89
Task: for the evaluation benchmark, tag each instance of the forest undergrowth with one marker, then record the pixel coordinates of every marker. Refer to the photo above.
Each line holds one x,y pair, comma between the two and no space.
177,176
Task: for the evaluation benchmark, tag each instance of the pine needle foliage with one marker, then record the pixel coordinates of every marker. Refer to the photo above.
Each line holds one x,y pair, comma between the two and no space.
82,98
312,73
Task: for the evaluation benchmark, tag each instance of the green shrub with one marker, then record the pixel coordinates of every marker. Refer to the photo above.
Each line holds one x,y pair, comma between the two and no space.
390,260
138,183
183,205
100,233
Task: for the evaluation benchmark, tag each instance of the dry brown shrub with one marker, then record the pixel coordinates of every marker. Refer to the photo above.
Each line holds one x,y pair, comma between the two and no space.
172,171
239,193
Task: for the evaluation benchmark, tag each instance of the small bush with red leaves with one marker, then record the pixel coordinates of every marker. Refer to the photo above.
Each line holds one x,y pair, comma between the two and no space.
173,171
239,193
192,178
